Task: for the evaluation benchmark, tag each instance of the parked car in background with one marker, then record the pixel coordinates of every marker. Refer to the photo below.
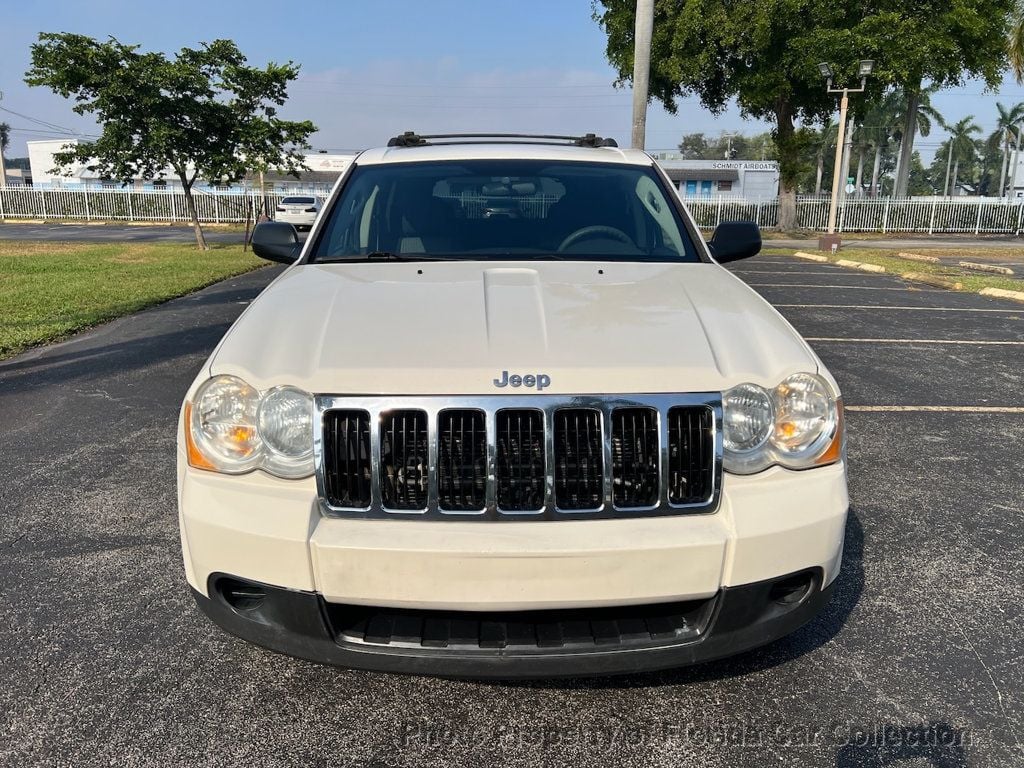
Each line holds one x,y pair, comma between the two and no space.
298,210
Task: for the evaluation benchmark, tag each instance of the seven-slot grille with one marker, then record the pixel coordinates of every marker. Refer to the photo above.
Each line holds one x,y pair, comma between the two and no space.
533,457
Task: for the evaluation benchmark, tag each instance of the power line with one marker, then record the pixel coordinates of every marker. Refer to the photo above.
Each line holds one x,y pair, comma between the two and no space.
39,122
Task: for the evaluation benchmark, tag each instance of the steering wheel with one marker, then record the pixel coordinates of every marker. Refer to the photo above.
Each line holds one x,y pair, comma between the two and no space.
595,230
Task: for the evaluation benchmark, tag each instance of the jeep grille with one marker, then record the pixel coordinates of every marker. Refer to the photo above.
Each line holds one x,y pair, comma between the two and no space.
530,457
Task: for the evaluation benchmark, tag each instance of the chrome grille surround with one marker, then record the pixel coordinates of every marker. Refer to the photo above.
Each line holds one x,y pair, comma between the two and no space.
377,405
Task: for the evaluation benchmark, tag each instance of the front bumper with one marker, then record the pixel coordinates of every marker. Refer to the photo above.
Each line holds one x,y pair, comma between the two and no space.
304,625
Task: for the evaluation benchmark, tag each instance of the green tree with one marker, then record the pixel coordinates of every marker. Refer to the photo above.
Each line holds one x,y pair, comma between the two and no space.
734,146
762,53
1015,41
1006,128
824,143
693,146
204,113
936,41
926,116
5,137
960,148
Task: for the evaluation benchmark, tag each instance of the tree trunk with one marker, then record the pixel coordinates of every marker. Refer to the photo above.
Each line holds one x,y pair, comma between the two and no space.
956,171
1006,159
949,164
875,170
821,170
860,171
789,164
847,157
193,214
907,143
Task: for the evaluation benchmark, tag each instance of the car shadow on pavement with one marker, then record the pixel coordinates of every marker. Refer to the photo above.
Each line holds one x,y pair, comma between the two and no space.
91,360
134,341
818,632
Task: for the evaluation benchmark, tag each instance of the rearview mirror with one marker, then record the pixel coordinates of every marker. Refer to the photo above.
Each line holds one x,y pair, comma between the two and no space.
735,240
276,241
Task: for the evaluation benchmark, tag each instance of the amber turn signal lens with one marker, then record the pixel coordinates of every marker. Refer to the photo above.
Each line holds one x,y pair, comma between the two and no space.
834,452
195,457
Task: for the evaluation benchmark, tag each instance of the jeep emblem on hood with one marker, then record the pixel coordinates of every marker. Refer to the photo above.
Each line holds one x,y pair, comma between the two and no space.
539,380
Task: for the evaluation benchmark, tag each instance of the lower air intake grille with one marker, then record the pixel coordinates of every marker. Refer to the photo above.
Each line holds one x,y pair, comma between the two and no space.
635,457
520,469
579,459
347,472
404,457
523,631
691,450
461,460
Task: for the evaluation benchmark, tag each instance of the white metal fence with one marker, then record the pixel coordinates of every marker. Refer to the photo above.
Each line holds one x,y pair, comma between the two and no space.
130,205
976,215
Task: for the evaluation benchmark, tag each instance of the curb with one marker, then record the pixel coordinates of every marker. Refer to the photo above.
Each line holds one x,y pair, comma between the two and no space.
860,265
986,267
918,257
1002,293
938,282
810,256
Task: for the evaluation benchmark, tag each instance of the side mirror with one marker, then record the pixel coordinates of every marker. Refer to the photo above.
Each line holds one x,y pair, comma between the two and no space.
276,241
735,240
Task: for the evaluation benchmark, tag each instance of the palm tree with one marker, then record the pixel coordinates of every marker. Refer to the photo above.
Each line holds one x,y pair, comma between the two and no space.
881,124
826,138
1006,127
961,147
925,115
1015,42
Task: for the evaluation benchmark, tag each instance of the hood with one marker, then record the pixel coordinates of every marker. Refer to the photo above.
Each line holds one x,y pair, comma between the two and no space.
456,327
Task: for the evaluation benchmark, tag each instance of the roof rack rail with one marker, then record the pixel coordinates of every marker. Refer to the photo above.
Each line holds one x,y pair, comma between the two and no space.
413,139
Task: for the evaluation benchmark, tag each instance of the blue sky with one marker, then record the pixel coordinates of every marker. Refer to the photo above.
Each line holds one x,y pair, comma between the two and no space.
373,69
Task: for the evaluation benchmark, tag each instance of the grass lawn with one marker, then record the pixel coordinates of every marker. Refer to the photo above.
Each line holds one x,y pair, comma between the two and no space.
971,281
49,290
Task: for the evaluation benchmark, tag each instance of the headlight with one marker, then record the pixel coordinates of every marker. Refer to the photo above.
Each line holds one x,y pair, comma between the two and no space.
223,424
748,419
806,419
798,425
285,423
230,427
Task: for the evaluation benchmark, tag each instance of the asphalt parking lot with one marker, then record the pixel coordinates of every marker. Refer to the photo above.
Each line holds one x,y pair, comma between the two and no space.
916,662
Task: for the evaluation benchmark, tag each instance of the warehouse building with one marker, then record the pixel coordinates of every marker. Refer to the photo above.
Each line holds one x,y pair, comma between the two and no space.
750,179
324,171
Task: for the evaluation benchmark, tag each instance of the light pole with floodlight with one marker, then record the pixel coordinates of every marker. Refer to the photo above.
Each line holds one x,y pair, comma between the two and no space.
832,241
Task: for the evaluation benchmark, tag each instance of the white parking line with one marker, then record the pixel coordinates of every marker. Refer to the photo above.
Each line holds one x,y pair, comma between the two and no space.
796,272
935,408
915,309
918,341
843,287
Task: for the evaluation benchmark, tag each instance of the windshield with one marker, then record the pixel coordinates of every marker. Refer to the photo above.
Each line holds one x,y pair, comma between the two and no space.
504,209
299,201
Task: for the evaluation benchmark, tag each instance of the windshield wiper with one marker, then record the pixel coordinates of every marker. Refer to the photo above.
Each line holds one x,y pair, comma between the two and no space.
391,256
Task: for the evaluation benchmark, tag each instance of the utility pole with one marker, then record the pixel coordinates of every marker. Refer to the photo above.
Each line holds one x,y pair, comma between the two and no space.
832,241
641,69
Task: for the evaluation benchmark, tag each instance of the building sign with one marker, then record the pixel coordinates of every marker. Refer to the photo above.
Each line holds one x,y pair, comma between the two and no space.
747,165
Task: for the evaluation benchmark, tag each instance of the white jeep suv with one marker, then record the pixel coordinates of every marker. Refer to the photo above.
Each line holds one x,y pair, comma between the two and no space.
504,415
